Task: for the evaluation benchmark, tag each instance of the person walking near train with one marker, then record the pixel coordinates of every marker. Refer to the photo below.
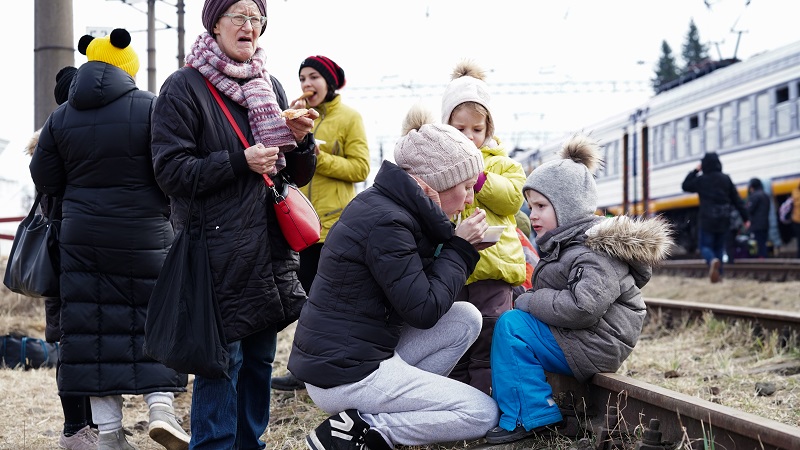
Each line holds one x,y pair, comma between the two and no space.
718,195
466,106
758,206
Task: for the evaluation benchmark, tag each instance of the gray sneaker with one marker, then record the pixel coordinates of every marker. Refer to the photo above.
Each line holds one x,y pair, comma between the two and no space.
85,439
165,429
113,441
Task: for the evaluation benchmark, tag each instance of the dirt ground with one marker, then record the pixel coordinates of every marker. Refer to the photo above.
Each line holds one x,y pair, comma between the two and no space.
31,415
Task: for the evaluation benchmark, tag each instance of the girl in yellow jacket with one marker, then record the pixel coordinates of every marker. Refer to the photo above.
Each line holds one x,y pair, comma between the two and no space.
465,106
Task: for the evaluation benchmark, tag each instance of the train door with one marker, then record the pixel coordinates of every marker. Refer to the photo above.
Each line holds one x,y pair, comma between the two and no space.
636,170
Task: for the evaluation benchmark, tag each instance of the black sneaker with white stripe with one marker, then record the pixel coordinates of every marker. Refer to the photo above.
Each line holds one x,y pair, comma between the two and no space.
343,431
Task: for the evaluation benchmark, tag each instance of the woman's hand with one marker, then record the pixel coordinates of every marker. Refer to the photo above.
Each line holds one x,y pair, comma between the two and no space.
261,159
301,126
473,228
429,191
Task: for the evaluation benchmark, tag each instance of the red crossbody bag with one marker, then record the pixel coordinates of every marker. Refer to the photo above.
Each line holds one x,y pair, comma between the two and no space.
296,215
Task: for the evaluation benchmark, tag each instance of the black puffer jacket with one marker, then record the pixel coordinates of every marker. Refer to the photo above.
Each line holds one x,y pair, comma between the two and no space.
377,272
758,206
718,195
250,259
115,232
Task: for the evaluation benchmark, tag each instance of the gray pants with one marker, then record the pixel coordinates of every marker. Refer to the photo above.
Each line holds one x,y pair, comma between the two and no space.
409,399
107,411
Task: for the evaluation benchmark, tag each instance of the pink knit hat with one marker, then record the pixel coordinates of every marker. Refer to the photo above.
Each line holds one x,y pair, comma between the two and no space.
437,153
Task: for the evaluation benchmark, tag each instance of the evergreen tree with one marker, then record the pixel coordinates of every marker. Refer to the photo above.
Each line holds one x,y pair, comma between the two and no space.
694,52
667,69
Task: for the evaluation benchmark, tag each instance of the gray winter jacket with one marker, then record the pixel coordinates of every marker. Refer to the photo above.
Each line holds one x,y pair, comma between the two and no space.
586,287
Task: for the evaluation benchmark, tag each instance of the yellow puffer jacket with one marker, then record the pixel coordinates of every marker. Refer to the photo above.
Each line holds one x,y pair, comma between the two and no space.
501,197
343,160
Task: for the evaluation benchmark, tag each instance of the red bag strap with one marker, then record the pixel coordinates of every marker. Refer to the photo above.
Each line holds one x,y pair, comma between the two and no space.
235,126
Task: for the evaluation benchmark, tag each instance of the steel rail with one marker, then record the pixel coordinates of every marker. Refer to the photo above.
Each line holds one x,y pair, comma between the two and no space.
770,269
786,322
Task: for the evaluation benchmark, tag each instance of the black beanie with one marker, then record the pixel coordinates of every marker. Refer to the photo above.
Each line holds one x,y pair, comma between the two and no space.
329,70
63,80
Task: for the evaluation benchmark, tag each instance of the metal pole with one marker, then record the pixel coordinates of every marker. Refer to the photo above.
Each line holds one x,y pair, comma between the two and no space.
151,46
53,48
181,33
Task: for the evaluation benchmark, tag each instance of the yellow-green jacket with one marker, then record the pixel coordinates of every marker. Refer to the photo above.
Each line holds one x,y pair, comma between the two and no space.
501,197
343,160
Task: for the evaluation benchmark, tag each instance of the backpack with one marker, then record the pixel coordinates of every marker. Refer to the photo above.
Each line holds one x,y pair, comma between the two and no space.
27,352
785,211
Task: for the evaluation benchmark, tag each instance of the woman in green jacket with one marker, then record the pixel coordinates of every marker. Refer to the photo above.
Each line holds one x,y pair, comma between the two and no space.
342,161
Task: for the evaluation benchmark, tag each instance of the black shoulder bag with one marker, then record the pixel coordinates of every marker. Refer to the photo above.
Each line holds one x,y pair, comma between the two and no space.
183,329
33,267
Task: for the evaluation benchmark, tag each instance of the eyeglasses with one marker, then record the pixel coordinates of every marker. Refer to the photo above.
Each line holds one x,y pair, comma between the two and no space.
238,19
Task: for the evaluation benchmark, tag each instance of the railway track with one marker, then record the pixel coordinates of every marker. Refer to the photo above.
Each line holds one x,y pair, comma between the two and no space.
771,269
618,412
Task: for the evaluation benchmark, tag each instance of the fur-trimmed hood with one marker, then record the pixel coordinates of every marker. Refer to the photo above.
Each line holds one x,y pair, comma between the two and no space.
32,142
647,241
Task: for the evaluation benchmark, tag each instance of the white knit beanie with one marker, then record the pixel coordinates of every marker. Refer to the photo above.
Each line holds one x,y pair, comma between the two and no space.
568,183
467,85
438,154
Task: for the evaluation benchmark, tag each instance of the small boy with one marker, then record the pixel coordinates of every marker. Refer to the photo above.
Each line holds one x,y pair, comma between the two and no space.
585,310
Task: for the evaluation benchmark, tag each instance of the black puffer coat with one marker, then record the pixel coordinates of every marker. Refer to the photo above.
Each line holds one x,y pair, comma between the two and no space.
254,269
377,272
758,206
115,232
718,195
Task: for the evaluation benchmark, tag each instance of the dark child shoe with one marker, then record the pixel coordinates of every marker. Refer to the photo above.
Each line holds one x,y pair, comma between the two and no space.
287,383
499,435
343,431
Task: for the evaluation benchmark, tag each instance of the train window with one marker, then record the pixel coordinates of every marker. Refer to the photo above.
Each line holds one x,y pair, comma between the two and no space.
695,135
681,152
669,142
613,164
655,146
726,122
782,110
712,131
762,116
745,121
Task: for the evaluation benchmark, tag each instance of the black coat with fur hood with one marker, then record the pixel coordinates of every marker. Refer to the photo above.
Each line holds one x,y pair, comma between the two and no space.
586,287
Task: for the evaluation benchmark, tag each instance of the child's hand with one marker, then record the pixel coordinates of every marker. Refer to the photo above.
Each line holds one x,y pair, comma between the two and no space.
473,228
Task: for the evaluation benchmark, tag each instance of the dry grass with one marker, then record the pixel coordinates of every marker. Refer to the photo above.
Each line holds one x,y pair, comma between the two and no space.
31,414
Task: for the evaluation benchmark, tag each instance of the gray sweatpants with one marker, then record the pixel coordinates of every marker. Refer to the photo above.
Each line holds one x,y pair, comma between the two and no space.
107,411
409,399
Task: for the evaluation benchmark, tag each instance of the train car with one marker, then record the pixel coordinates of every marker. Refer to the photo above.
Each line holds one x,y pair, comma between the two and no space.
748,112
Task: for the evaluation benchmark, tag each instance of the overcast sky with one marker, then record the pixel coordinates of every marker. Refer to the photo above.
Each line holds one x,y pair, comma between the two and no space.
397,52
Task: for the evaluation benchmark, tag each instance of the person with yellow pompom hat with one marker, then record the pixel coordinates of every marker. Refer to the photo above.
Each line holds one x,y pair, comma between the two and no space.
94,152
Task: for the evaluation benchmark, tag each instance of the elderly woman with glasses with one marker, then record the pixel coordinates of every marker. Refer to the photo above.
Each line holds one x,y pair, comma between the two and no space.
253,268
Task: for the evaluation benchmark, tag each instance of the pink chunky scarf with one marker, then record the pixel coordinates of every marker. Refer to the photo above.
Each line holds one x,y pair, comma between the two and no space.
255,94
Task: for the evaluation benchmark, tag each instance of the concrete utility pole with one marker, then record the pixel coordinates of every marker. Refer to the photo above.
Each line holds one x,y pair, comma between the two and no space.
181,32
151,46
53,48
